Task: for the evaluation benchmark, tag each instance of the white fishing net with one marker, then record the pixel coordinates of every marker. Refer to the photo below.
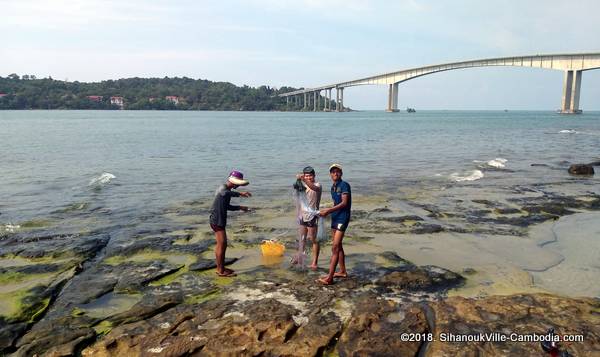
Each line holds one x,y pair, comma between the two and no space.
305,212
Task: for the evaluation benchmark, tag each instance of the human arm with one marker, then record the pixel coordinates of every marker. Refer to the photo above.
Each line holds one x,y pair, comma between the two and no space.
233,208
313,186
238,208
327,211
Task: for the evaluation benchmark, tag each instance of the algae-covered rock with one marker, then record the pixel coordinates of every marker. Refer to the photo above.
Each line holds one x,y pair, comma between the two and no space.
520,315
27,306
150,305
423,279
9,332
62,334
206,264
402,219
136,275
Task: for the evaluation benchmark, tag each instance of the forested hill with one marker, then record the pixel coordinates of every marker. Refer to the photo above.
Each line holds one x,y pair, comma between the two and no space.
28,92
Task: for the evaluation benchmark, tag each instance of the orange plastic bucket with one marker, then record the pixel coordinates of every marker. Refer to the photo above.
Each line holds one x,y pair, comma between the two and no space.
271,248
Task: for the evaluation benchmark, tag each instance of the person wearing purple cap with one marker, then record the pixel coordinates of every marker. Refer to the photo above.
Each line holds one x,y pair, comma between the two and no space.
218,216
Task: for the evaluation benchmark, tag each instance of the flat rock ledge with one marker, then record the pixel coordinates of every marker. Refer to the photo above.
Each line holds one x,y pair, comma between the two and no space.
269,312
362,316
368,325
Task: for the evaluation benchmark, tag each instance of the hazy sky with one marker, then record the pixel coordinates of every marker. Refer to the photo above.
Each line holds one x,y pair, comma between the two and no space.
309,43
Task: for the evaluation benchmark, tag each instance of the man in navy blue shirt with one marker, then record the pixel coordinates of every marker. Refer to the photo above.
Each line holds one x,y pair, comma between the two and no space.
340,217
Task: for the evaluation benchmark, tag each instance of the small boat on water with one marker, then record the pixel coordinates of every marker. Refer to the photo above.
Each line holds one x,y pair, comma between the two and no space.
410,110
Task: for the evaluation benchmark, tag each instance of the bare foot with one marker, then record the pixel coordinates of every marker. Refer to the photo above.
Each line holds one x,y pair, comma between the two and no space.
340,275
324,281
313,266
226,273
229,271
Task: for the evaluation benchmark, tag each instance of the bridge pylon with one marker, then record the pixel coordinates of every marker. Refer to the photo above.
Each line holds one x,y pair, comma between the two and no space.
571,92
392,98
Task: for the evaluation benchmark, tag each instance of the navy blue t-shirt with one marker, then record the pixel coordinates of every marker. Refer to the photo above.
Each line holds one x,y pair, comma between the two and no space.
337,190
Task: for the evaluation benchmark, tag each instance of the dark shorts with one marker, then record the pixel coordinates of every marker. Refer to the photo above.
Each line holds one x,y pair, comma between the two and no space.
216,228
311,223
340,226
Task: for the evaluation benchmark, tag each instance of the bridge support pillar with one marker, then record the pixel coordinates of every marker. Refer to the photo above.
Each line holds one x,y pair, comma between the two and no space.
341,106
571,92
329,100
392,98
315,101
337,99
577,75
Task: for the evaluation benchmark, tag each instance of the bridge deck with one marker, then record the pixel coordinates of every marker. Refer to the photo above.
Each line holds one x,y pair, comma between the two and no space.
563,62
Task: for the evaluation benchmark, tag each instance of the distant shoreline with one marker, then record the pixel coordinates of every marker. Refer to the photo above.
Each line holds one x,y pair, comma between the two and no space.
177,93
592,111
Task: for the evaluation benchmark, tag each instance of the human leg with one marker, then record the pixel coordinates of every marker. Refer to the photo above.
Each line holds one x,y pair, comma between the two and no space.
335,256
341,256
312,235
302,232
220,248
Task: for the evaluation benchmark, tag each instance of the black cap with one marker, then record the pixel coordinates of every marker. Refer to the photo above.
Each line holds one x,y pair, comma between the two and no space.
308,170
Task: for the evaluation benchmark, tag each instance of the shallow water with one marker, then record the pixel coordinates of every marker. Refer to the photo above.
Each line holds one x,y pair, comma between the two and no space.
118,171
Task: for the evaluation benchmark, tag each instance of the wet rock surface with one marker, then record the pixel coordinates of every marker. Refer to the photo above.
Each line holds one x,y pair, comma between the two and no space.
206,264
54,246
520,315
149,289
376,327
581,169
298,318
276,315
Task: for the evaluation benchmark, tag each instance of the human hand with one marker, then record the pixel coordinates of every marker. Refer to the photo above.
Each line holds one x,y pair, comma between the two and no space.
244,208
299,176
245,194
324,212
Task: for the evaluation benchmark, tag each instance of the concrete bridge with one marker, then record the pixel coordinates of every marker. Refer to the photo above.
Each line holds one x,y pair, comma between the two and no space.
572,65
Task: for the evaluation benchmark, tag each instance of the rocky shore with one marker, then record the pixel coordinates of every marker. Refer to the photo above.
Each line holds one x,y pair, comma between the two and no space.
149,288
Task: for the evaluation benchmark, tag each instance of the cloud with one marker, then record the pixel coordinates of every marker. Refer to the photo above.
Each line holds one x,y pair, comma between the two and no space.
69,14
242,28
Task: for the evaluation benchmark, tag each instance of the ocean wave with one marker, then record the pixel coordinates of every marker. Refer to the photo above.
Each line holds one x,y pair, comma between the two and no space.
102,179
567,131
470,176
497,163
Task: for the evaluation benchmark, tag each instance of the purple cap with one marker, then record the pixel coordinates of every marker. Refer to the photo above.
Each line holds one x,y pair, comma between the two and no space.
237,175
237,178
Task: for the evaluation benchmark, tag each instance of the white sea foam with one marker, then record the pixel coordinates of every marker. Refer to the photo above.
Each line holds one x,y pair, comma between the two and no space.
11,228
497,163
470,176
102,179
567,131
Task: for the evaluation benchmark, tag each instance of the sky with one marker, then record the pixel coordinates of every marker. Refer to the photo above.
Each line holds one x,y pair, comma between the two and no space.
308,43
